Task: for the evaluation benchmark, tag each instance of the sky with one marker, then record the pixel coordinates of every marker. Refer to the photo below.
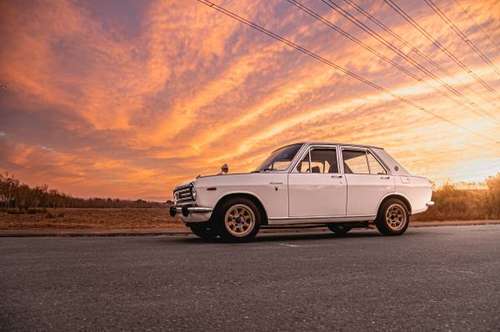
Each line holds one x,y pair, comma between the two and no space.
128,98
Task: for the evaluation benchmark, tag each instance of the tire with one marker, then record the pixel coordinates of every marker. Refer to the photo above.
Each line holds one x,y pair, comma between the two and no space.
237,219
204,230
393,217
339,229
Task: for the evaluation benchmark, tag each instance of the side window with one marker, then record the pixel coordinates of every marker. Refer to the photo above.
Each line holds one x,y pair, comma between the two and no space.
304,166
322,161
355,162
375,166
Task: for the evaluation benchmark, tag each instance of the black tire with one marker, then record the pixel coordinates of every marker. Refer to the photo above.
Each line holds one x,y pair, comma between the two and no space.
393,217
339,229
238,211
204,230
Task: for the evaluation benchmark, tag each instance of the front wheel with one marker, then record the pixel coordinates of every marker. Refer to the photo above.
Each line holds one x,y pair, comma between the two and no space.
238,219
393,217
339,229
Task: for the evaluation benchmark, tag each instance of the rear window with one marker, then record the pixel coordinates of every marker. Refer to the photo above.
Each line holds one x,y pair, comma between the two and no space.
390,162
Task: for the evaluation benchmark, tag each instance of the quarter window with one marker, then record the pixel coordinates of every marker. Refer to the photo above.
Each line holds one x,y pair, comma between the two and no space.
319,161
361,162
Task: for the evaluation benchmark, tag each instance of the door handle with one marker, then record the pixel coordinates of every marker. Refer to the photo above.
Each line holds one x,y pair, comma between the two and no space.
385,177
275,182
336,176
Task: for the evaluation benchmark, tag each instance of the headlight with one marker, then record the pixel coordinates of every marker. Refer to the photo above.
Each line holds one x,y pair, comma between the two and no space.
193,193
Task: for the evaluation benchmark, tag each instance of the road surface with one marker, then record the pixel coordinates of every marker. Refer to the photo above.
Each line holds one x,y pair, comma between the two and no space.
441,278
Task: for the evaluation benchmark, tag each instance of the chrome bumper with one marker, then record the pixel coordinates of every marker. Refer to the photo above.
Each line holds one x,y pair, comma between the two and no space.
430,203
189,214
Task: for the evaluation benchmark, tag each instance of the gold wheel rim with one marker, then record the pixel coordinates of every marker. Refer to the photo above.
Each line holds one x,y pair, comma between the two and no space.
239,220
395,217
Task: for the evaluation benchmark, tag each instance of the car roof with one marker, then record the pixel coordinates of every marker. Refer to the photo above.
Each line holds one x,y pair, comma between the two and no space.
333,143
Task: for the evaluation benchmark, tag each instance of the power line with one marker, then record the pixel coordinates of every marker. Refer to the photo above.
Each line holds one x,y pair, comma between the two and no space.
335,66
495,46
459,32
405,43
435,42
407,58
352,38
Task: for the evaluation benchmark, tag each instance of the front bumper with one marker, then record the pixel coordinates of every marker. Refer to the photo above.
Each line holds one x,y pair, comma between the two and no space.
190,214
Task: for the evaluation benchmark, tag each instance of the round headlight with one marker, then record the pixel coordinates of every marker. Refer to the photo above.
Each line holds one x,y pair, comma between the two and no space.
193,193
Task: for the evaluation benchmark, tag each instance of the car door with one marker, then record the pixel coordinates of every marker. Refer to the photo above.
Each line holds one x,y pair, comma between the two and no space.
368,181
316,188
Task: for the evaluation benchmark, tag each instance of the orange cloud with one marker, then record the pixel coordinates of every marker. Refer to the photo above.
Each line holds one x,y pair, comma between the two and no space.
98,103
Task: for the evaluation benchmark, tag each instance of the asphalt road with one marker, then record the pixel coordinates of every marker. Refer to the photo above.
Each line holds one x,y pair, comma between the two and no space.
435,278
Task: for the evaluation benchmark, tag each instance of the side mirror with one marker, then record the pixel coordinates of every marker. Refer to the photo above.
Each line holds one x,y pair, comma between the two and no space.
224,169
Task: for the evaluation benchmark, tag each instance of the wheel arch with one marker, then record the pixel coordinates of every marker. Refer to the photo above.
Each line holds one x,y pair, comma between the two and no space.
247,195
399,196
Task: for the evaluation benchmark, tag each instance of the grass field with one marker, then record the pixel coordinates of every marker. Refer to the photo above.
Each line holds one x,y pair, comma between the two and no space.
99,219
109,219
452,204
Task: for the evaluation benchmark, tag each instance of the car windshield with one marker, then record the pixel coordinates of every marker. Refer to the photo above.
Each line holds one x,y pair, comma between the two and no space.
280,159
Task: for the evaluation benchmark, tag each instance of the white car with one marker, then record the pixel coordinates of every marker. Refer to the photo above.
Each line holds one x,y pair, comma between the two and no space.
340,186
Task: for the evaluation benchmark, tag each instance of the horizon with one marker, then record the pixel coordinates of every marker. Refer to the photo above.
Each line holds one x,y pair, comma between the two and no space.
128,99
462,185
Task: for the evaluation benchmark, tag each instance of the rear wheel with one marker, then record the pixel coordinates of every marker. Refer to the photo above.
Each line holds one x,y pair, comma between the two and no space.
393,217
339,229
238,219
204,231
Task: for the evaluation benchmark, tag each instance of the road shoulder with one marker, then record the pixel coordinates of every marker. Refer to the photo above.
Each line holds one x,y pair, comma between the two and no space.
182,230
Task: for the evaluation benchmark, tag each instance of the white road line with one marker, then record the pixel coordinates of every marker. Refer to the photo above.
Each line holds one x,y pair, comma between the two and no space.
284,244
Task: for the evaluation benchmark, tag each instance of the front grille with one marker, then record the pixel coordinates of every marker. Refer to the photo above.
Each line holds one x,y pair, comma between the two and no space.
184,194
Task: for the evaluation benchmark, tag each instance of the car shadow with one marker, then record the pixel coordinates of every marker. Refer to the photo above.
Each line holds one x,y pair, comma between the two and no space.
285,236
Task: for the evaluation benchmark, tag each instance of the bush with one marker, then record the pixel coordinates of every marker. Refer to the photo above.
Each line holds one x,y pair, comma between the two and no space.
493,197
457,204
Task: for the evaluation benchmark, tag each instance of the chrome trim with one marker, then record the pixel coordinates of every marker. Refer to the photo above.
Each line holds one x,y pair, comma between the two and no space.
195,209
191,214
331,143
184,194
318,220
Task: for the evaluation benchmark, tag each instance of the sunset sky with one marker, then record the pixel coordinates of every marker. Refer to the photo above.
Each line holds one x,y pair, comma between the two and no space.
128,98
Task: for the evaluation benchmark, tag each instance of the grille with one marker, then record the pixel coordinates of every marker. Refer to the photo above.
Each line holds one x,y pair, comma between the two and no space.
184,194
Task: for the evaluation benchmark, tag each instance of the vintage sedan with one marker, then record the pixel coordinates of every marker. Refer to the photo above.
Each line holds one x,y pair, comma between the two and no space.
341,186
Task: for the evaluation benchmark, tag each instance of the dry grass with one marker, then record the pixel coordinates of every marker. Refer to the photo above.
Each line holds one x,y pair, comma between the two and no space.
451,204
98,219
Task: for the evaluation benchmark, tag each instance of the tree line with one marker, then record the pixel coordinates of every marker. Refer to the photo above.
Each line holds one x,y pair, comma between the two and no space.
451,203
20,196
